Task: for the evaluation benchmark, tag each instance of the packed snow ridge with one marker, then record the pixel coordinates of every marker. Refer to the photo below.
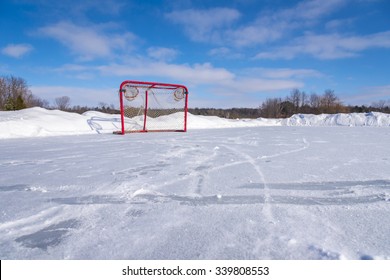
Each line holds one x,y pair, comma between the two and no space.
42,122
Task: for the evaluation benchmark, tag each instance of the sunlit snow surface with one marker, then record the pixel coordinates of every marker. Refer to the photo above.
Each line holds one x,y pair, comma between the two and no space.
274,192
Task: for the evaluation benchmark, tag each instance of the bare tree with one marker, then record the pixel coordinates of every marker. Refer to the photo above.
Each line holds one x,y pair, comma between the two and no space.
304,99
63,102
271,108
13,93
34,101
295,99
381,104
3,92
329,99
314,100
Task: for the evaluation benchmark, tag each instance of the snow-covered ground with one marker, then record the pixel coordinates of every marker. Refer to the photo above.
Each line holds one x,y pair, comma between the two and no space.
261,189
41,122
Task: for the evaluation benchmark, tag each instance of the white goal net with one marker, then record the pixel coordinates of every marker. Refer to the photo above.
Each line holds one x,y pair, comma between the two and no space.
148,106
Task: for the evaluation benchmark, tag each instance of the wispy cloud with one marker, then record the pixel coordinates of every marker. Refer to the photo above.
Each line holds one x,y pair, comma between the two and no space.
88,42
312,10
162,54
221,80
284,73
204,25
369,95
83,95
329,46
272,26
225,53
76,9
216,25
17,50
203,73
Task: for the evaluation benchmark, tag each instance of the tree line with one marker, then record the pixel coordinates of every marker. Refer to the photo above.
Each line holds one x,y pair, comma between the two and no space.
326,103
296,102
300,102
15,95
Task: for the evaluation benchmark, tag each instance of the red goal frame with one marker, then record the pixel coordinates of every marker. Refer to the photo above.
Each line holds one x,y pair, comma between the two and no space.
149,86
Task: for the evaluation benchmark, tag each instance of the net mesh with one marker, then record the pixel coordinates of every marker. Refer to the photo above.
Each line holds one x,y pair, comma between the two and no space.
157,108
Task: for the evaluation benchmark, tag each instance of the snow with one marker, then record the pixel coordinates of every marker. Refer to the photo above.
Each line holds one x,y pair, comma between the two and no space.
354,119
42,122
310,187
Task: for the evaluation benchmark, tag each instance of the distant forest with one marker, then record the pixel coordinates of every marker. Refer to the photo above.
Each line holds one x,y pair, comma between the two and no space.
297,102
15,95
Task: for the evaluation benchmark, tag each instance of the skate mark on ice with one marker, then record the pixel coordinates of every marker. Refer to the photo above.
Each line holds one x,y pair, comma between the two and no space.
323,254
135,213
142,170
200,184
21,187
50,236
89,199
26,162
267,196
366,257
148,197
336,185
12,188
253,199
304,147
202,167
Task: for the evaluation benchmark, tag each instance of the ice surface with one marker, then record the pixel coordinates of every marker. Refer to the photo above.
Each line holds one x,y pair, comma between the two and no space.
268,192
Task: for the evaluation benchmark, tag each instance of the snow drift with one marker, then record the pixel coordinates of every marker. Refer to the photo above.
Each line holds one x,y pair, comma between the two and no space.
353,119
37,121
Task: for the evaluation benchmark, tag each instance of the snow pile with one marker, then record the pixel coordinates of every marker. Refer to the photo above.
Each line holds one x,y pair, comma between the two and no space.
204,122
37,121
353,119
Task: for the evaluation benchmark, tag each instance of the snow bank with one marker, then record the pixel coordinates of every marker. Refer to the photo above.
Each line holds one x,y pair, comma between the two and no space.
204,122
39,122
353,119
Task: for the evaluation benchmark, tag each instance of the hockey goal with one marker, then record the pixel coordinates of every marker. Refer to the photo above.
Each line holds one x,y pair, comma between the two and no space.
152,107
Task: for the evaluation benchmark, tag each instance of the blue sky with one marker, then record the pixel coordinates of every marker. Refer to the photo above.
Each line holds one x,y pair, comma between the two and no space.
228,53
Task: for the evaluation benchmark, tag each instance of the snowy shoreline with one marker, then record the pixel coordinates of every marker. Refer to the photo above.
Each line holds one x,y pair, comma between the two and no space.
39,122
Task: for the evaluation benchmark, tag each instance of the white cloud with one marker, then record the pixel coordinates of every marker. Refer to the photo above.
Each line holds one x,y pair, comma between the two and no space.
162,54
222,87
275,25
198,73
369,95
218,81
88,42
329,46
17,50
204,25
216,25
247,85
312,9
225,53
336,24
78,95
284,73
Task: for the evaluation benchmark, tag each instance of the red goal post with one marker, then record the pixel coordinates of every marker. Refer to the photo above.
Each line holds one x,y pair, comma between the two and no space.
152,107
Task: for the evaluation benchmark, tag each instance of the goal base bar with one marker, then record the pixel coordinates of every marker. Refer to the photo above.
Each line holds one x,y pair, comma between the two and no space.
145,131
